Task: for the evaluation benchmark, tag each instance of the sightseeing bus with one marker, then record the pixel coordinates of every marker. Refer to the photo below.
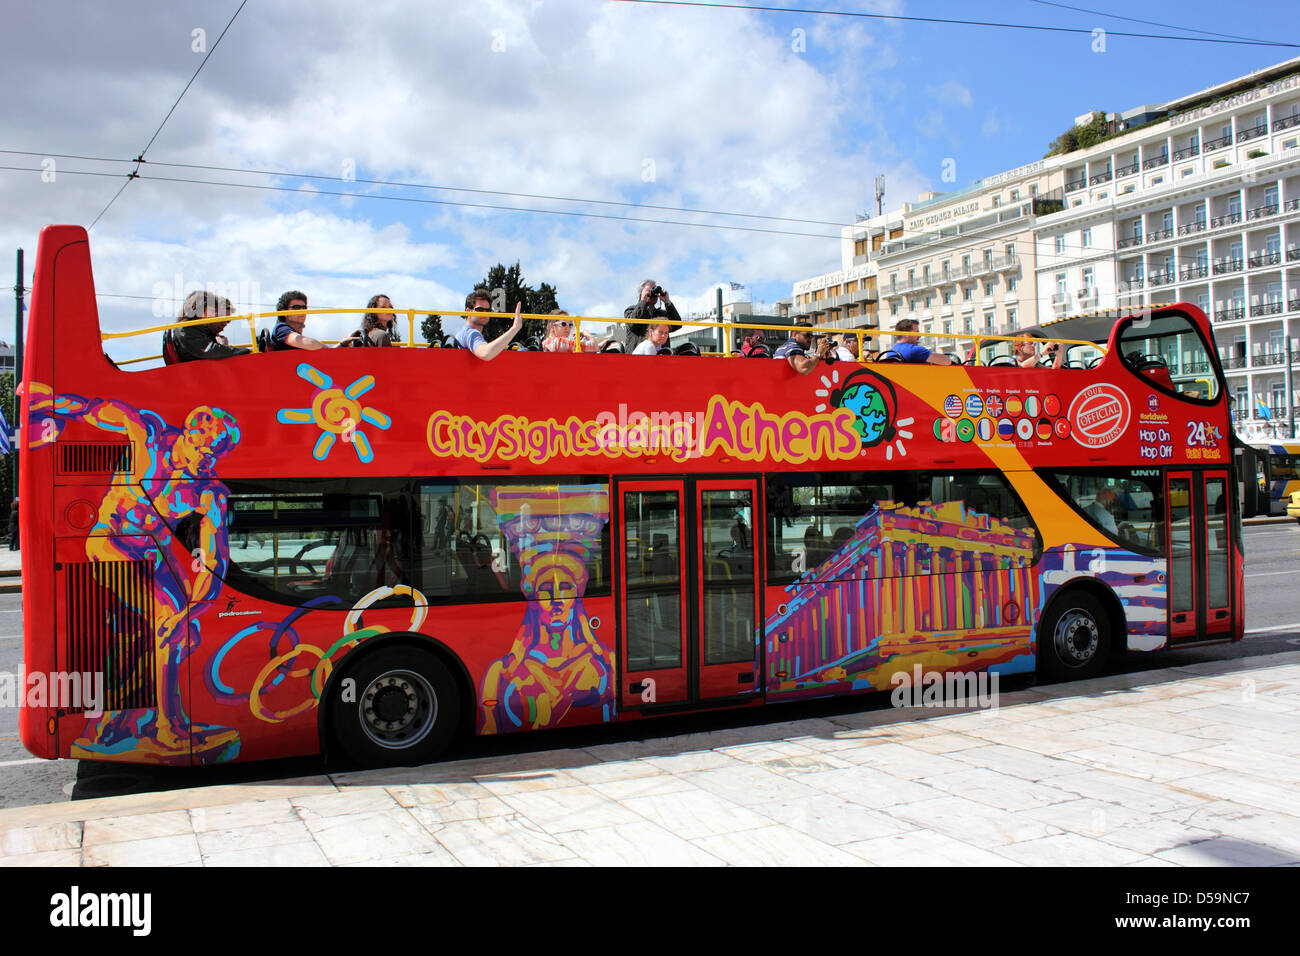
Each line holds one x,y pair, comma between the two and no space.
364,551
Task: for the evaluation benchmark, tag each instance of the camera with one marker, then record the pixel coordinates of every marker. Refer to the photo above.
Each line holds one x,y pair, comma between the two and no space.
657,291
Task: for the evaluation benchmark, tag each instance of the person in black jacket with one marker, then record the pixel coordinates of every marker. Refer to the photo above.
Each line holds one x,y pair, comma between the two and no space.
13,525
195,342
647,295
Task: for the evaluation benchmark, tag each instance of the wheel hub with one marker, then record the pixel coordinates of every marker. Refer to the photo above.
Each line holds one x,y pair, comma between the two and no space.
398,709
1076,638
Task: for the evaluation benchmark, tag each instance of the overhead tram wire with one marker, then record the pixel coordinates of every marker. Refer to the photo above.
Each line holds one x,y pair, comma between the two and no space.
461,189
952,22
438,202
135,173
1150,23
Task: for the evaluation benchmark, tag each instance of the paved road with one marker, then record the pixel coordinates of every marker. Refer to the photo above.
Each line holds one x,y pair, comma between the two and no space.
1272,625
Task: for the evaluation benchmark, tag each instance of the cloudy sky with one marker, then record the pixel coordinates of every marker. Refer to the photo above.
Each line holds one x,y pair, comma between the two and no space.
783,115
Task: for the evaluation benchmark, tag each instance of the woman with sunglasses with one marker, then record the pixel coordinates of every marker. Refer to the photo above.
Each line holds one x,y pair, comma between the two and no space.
559,335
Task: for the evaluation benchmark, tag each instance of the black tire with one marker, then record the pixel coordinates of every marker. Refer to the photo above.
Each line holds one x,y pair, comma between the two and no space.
1074,638
401,708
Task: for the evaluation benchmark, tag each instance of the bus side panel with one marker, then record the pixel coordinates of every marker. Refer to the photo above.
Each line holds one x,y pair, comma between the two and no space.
1138,582
63,302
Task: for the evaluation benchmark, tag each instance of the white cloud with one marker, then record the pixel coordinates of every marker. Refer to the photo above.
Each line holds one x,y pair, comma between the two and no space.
952,93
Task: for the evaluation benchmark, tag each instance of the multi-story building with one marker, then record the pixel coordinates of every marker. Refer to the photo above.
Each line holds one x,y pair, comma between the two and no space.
1200,205
1194,200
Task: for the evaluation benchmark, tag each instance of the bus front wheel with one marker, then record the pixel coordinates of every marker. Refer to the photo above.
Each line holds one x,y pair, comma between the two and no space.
398,705
1074,638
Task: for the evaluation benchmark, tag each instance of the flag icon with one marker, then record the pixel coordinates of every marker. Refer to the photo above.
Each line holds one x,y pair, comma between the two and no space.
1260,408
6,445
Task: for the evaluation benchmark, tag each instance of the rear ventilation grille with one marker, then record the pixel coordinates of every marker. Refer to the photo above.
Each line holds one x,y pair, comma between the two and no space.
110,629
94,457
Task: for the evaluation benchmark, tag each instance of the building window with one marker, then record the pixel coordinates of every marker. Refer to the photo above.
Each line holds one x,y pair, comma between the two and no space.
1085,238
966,292
997,201
1015,194
1011,319
1087,280
947,298
988,289
1011,283
1033,189
1060,284
1060,244
988,323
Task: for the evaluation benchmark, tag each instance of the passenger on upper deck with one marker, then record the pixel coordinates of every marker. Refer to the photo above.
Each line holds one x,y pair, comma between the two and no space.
656,341
471,337
288,328
559,334
204,341
1028,356
910,349
795,349
648,293
377,328
847,350
753,346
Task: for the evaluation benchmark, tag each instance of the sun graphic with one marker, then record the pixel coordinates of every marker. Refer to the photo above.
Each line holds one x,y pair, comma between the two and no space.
337,412
872,401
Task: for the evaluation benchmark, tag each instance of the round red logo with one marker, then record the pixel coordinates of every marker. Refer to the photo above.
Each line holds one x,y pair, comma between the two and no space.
1099,415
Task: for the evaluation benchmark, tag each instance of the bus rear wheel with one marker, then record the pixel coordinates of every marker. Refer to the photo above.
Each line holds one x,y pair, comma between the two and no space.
398,705
1074,638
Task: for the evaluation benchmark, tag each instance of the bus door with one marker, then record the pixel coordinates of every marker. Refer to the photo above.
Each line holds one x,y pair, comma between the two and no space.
687,591
1200,555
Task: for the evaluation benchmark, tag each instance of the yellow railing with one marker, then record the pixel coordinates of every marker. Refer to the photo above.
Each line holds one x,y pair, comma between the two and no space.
728,329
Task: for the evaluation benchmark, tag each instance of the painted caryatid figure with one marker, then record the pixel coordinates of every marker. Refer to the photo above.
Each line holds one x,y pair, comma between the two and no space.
556,664
173,477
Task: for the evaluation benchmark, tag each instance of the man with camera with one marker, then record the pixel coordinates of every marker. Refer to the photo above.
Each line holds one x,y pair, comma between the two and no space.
648,294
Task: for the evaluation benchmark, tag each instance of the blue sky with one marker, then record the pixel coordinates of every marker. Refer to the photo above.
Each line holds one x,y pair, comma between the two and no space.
708,109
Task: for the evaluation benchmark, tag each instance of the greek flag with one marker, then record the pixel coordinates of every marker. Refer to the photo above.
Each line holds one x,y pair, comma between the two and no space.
6,445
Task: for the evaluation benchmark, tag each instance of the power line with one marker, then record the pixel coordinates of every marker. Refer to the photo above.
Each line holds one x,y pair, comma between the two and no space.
406,185
140,158
436,202
1150,23
953,22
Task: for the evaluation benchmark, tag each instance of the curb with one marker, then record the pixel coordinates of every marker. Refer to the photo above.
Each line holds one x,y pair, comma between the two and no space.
1275,519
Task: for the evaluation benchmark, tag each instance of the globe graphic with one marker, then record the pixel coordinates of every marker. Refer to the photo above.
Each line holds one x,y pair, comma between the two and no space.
868,406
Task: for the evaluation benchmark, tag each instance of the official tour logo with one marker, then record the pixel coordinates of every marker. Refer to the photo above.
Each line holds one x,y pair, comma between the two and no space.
1099,415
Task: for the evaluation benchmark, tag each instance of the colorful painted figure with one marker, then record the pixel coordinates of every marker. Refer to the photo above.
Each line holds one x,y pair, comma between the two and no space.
556,663
176,468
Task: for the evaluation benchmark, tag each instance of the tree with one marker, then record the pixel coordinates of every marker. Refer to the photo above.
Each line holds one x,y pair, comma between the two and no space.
507,288
431,329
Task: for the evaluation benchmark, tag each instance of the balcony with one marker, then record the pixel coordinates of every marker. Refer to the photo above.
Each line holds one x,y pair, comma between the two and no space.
1225,266
1266,308
1213,144
1161,278
1293,305
1075,184
1246,135
1123,171
1264,258
1259,212
1235,361
1198,271
1187,153
1228,219
1292,204
1292,253
1268,358
1058,299
1229,315
1006,263
1130,241
1135,282
1286,122
1154,161
863,295
1100,178
1159,235
1189,228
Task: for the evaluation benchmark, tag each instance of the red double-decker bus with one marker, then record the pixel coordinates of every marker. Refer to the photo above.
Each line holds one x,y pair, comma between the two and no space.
371,549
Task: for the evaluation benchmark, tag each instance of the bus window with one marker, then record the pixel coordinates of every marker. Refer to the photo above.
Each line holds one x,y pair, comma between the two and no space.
1168,353
1127,504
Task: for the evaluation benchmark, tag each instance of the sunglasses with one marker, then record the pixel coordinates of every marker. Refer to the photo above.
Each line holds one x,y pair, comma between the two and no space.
477,308
562,325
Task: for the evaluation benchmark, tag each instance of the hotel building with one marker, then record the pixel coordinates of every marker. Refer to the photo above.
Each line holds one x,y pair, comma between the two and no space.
1194,200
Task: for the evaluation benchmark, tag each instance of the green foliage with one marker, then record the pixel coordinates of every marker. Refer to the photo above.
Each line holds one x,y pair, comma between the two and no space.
513,290
1092,132
431,329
